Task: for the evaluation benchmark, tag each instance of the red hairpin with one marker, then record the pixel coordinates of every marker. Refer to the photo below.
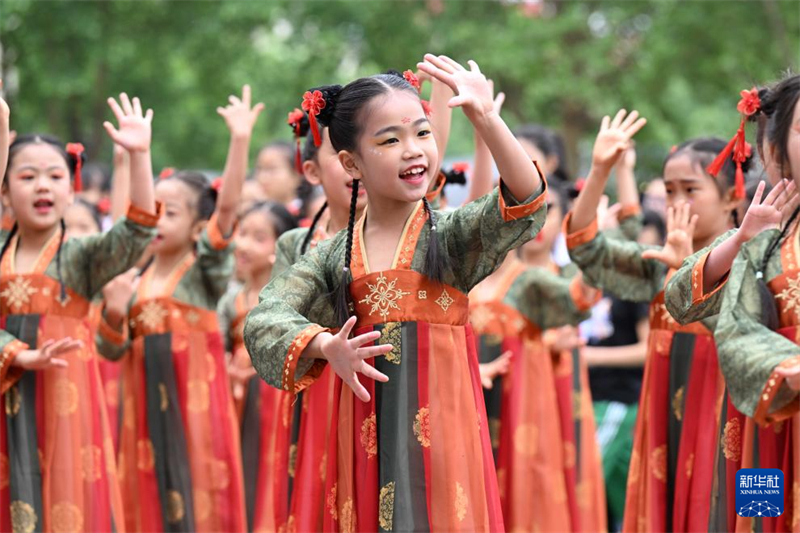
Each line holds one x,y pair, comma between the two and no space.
104,205
738,148
313,103
294,120
462,167
426,107
76,150
216,184
412,79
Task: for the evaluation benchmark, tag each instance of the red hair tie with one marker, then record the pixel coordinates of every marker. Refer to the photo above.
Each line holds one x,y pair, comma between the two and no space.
294,120
462,167
216,184
412,79
738,148
313,103
166,173
76,150
426,107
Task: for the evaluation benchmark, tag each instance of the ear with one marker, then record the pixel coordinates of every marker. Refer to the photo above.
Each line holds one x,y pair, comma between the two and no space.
6,198
350,162
729,200
551,163
312,172
197,229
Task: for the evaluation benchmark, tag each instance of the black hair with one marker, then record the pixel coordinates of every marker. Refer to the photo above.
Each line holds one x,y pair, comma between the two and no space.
652,219
205,195
310,234
285,148
702,152
342,115
549,143
93,211
561,191
455,176
282,220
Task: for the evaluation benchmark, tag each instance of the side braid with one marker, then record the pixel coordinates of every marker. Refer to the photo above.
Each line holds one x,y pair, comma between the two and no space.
342,299
769,311
437,263
6,244
58,263
310,234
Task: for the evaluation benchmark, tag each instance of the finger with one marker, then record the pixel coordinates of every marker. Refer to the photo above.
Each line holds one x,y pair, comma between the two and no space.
149,115
782,197
457,101
112,132
222,111
126,104
374,351
365,338
618,118
440,74
57,344
372,373
670,219
348,327
639,124
604,123
440,63
257,109
685,214
692,225
473,67
135,284
358,389
788,371
499,100
246,95
629,120
234,100
453,63
137,106
115,108
760,191
62,363
486,383
68,347
657,255
46,345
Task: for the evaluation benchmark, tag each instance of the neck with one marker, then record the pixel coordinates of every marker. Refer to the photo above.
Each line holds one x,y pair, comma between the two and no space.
390,214
539,258
258,280
34,239
338,219
700,243
165,262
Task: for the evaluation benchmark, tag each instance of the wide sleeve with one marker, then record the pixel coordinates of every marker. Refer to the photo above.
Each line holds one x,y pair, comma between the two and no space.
478,236
630,222
749,352
89,263
226,314
287,250
684,296
280,327
10,346
549,300
613,265
111,343
215,260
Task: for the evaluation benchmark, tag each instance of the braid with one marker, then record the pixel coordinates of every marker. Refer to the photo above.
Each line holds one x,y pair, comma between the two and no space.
6,244
310,234
58,263
437,264
735,215
769,311
343,300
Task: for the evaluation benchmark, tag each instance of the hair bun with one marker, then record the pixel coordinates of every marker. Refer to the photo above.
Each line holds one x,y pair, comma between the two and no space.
298,121
331,94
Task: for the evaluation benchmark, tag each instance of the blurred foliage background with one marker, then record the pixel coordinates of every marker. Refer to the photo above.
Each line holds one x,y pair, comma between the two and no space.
561,63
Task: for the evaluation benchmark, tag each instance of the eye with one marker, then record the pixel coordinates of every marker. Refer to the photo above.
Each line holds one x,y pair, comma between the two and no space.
690,190
424,133
26,176
56,175
391,140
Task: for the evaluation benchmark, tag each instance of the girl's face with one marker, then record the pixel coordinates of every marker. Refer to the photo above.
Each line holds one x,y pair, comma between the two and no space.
252,193
38,188
327,170
792,150
396,152
275,174
546,238
686,181
178,226
79,221
548,164
255,244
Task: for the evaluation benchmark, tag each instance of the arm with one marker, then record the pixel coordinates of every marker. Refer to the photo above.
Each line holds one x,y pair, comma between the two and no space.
551,301
120,183
481,182
5,136
112,337
441,117
620,356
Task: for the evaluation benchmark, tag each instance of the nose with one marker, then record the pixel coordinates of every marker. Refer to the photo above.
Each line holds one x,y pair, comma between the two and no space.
42,182
413,149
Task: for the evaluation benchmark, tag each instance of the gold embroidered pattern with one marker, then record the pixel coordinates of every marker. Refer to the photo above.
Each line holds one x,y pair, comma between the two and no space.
202,504
67,518
220,474
791,296
347,514
569,454
731,441
445,301
383,296
18,292
582,494
292,460
501,482
392,334
494,431
111,389
689,465
330,502
461,502
480,316
369,436
4,473
175,508
577,405
162,391
65,397
422,427
91,462
633,471
677,403
526,438
145,458
23,519
197,396
386,506
152,315
13,399
658,462
422,295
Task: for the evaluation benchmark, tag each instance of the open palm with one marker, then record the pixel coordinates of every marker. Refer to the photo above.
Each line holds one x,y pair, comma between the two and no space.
134,127
680,235
473,91
762,216
614,138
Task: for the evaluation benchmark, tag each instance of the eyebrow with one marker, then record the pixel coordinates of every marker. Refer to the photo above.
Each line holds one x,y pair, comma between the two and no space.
397,128
32,167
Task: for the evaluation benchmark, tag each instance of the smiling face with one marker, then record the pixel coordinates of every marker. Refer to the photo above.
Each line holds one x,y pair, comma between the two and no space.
325,169
255,243
38,188
178,227
396,152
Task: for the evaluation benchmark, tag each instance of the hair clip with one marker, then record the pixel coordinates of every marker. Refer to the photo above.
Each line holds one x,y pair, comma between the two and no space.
76,150
294,120
313,103
412,78
166,172
216,183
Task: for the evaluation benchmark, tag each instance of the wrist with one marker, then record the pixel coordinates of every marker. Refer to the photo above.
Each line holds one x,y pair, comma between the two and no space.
114,316
241,136
484,122
314,350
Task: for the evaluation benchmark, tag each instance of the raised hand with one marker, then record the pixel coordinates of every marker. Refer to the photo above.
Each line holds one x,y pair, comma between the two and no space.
628,160
5,112
498,367
614,138
791,376
239,116
472,89
118,292
135,129
48,356
680,234
761,216
499,99
347,356
565,339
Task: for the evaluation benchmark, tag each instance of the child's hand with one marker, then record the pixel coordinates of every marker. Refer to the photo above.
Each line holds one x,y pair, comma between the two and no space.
48,356
498,367
118,292
628,160
791,375
240,370
615,138
680,234
239,116
473,92
5,112
498,99
566,339
761,216
135,130
346,356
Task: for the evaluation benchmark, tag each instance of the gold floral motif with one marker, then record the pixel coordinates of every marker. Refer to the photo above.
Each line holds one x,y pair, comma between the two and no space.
202,504
23,518
4,472
689,465
152,315
91,463
211,365
129,412
731,441
461,502
392,334
796,506
323,467
791,296
422,427
582,494
383,296
526,438
330,503
111,389
569,454
122,463
67,518
292,459
65,395
347,514
422,295
18,292
13,400
501,482
658,462
444,300
633,470
677,403
145,458
386,506
577,405
192,317
197,396
369,436
162,392
220,474
108,456
494,431
175,507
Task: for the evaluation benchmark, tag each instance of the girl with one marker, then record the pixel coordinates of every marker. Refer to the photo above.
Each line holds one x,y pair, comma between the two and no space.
82,219
179,448
277,176
421,405
669,481
55,441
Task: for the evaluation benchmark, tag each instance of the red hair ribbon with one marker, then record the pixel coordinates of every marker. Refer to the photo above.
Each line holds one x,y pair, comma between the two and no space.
104,205
426,107
166,173
462,167
738,148
313,103
76,150
216,184
412,79
294,120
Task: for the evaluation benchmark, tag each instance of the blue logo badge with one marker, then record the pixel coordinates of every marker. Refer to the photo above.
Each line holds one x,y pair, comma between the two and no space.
759,492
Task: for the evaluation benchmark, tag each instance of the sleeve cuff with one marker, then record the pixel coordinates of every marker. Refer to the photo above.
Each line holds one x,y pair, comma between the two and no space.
9,375
142,217
215,237
628,211
109,334
762,415
288,382
441,179
698,296
582,298
580,237
518,211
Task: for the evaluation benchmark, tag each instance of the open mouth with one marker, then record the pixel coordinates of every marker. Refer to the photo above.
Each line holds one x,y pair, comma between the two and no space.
43,206
414,174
